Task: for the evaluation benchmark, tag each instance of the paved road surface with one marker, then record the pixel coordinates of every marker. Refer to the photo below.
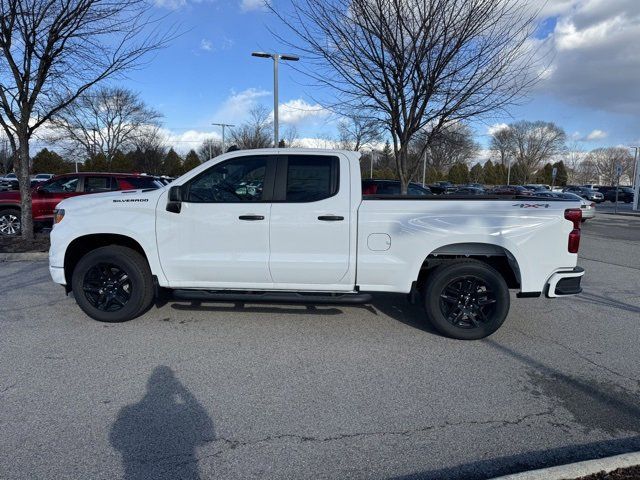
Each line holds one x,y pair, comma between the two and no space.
265,391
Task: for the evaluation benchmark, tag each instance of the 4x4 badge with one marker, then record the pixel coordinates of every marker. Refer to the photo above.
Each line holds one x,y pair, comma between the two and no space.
531,205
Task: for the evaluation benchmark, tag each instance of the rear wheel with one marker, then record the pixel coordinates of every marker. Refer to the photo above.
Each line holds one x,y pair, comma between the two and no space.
113,284
467,300
9,222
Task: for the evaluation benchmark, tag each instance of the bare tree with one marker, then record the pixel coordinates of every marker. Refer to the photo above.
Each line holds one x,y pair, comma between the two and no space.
255,133
6,154
209,149
52,52
452,145
606,161
502,145
150,149
290,137
103,121
356,132
416,64
531,144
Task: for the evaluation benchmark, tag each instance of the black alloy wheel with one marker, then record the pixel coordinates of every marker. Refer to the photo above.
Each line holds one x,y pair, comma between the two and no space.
467,302
113,284
466,299
107,287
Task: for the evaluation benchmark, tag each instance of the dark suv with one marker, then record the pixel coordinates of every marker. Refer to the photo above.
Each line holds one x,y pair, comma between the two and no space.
46,195
391,187
625,194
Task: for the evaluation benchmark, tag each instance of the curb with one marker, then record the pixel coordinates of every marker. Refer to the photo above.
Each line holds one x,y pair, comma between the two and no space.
621,214
579,469
23,256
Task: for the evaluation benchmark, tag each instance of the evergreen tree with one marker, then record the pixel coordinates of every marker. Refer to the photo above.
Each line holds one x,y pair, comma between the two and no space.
476,174
562,177
545,174
47,161
191,161
489,174
97,163
172,164
121,163
500,174
459,173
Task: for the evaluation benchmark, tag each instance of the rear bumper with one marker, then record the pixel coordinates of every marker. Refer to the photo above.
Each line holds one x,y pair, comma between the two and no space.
562,284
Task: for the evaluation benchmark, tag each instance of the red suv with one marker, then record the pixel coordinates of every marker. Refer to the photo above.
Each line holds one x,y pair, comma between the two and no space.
48,194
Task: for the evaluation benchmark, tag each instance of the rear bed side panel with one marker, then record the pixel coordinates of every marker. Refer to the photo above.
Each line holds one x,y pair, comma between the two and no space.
534,232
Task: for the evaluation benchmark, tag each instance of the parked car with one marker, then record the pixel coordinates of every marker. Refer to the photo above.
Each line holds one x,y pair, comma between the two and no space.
469,191
10,182
586,193
510,190
46,195
311,236
440,188
537,186
391,187
42,177
587,206
591,186
625,194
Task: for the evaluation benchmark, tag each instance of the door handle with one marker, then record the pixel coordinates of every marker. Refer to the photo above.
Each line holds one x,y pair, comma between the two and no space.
330,218
251,217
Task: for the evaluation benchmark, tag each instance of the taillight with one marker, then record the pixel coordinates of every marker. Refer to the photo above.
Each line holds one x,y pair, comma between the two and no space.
574,215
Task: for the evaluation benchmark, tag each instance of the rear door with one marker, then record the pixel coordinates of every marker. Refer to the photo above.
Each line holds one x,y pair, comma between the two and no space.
310,230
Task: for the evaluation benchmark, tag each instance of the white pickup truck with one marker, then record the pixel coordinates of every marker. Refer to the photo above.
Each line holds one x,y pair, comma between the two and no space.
292,225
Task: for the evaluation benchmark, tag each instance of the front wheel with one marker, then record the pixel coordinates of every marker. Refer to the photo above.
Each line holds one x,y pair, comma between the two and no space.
9,223
113,284
467,300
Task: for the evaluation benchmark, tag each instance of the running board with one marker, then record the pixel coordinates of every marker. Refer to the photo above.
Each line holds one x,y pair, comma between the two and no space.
272,297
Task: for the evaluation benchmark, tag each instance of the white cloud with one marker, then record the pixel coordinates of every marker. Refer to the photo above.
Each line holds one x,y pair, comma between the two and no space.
206,45
496,128
170,4
237,106
190,139
596,135
596,62
297,111
253,5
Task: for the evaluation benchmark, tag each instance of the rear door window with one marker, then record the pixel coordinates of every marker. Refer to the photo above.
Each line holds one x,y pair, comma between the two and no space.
97,184
311,178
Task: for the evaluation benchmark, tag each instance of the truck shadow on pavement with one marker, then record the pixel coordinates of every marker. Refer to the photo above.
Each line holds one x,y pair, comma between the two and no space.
157,437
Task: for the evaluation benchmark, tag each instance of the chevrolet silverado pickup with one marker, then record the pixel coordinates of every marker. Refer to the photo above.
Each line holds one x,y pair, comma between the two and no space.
292,225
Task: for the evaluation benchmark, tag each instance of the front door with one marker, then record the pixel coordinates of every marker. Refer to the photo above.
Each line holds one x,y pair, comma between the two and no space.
311,239
47,196
220,237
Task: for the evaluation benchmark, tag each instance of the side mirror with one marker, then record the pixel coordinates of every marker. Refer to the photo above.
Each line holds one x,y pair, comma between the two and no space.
174,205
175,193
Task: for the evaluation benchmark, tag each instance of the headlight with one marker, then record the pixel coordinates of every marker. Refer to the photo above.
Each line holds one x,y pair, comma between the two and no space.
58,215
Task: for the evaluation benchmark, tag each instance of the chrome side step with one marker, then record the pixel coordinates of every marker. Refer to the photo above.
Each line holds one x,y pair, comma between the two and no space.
271,297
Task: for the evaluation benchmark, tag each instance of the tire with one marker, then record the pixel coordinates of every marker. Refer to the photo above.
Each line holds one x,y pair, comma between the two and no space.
452,283
113,284
10,222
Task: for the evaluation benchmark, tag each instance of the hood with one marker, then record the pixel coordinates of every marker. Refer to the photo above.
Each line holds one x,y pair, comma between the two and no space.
108,200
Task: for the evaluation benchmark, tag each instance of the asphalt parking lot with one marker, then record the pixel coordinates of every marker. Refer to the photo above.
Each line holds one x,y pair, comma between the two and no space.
271,391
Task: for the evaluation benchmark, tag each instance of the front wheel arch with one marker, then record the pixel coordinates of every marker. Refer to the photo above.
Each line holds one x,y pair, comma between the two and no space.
80,246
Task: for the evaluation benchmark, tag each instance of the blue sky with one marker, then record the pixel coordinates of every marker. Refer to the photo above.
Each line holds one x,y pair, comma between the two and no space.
207,74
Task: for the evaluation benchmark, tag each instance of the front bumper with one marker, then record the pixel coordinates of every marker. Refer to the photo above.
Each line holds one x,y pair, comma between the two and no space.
57,275
562,284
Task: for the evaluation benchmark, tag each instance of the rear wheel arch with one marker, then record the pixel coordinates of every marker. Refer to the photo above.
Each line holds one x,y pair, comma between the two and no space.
80,246
497,257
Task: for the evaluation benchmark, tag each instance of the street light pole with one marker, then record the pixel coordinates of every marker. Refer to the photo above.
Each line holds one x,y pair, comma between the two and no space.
276,57
509,172
636,180
223,125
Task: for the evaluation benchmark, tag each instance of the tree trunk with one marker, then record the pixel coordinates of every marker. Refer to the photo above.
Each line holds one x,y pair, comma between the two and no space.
24,181
402,166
